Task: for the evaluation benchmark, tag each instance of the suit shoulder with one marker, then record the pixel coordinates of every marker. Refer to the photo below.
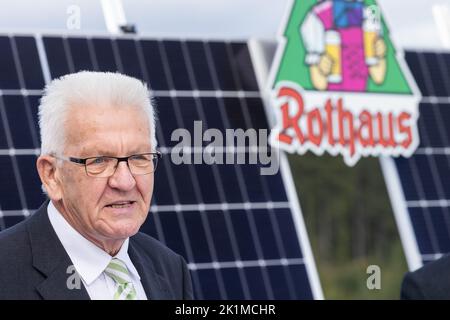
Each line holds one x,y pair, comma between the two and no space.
429,282
15,253
435,270
19,233
14,236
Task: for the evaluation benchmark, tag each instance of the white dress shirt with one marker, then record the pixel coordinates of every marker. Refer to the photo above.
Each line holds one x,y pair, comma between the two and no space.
90,261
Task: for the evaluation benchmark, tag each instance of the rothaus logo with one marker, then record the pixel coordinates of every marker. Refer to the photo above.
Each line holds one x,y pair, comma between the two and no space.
330,125
338,84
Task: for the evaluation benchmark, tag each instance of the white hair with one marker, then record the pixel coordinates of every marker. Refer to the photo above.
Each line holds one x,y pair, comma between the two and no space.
88,89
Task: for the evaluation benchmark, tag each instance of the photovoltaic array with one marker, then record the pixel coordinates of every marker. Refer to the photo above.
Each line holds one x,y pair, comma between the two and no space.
238,230
424,178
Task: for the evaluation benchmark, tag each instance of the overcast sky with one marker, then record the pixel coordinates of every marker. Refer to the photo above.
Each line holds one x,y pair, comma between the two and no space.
411,21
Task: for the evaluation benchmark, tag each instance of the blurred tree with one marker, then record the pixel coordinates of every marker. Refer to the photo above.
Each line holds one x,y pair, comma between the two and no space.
350,223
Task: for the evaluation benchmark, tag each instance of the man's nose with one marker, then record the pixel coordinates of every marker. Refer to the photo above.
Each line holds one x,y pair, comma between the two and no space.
122,178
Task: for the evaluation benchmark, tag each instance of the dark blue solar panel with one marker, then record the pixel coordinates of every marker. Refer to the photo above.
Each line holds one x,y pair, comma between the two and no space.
173,234
221,236
233,284
177,65
279,282
197,236
163,194
243,64
30,181
209,284
257,115
443,167
234,112
206,179
255,280
79,49
185,192
434,68
211,107
266,234
412,59
154,64
131,66
57,58
104,55
444,63
277,192
166,116
230,182
8,73
429,131
428,187
424,177
257,191
222,66
286,229
29,62
186,107
243,233
149,226
423,230
200,67
302,287
16,113
3,141
9,221
442,116
8,186
407,179
441,224
33,103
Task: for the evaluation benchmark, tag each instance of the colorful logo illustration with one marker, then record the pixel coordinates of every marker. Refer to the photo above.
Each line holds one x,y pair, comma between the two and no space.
339,85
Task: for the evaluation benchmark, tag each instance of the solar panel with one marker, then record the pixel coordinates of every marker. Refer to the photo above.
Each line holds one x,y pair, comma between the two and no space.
423,180
241,233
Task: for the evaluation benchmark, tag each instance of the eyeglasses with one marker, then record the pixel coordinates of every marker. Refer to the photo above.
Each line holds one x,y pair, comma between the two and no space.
104,167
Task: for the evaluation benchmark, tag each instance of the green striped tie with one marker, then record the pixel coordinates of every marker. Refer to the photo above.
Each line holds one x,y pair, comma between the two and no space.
118,271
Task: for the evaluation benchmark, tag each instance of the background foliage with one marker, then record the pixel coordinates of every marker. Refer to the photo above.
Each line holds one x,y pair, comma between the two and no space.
350,224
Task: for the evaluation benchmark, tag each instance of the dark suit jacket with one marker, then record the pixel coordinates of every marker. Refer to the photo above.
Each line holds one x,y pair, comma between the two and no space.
432,281
34,264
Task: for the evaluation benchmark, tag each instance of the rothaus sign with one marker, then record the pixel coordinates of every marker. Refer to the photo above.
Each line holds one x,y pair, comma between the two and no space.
339,85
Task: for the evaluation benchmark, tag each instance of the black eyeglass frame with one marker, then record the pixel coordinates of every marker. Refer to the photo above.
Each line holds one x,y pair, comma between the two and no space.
83,161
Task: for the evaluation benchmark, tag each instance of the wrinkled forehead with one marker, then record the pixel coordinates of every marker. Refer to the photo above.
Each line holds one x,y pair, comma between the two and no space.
109,130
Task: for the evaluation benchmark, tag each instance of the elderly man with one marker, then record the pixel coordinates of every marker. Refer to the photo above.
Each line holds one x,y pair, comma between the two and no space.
97,163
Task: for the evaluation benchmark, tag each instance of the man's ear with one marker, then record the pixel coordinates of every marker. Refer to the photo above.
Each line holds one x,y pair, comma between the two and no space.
46,167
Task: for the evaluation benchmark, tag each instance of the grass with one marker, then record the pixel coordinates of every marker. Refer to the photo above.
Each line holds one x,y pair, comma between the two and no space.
348,280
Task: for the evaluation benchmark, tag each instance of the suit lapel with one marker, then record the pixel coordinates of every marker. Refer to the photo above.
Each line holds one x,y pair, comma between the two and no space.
156,288
51,259
56,286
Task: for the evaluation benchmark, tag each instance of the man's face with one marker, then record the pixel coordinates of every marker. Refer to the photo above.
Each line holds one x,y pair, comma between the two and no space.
87,200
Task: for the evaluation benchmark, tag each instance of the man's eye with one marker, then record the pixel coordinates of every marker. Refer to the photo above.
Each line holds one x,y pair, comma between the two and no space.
139,157
99,160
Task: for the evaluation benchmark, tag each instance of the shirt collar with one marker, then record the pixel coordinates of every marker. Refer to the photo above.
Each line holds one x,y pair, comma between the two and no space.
89,260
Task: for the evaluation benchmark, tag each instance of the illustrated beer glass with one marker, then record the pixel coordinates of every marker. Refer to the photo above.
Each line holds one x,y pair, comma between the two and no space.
372,30
333,49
